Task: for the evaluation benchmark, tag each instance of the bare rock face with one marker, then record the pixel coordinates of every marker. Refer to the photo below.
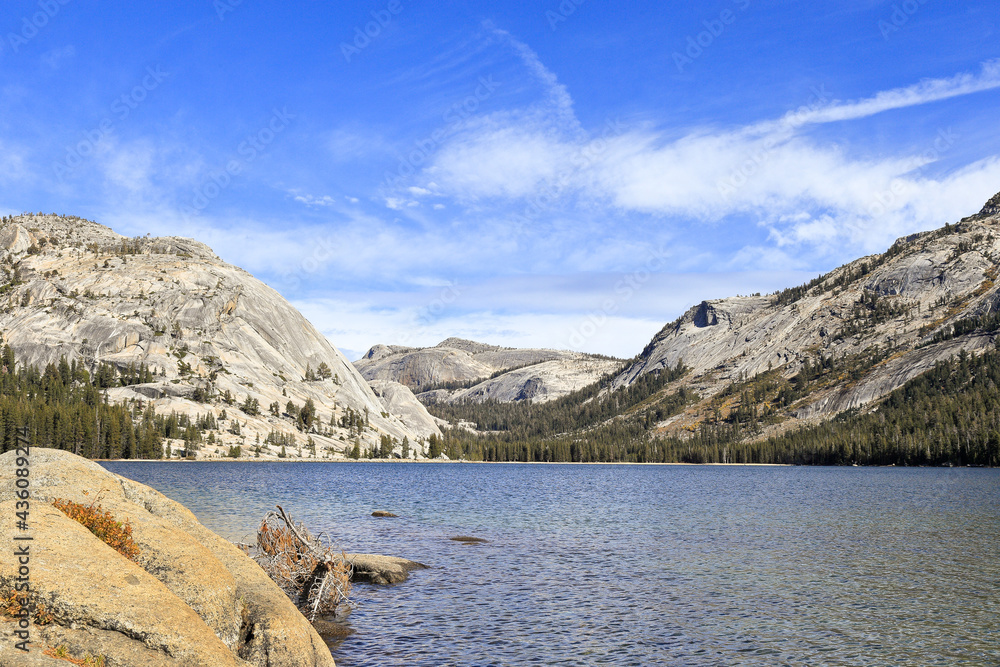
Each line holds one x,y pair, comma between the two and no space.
192,599
923,284
992,207
489,372
15,238
398,400
418,368
536,383
379,352
82,291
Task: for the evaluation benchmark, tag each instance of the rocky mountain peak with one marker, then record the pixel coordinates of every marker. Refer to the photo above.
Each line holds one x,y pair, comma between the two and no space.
881,319
470,346
216,338
457,370
991,208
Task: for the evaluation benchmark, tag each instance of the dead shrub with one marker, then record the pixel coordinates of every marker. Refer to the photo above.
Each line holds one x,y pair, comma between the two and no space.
308,569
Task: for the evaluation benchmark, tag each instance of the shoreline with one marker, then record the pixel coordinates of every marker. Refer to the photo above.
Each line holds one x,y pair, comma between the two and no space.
226,459
525,463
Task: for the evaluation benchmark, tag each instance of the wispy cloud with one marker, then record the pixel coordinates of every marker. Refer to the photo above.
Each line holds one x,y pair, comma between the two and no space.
803,191
353,143
312,200
559,99
53,59
929,90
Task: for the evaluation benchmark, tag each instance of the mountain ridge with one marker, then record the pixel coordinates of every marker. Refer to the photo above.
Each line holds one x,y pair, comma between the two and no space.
748,369
885,304
77,289
457,370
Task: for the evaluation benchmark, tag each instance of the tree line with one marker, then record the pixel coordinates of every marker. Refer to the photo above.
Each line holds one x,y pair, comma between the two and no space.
64,407
949,415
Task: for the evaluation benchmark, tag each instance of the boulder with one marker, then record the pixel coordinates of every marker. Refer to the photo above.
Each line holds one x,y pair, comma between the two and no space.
376,569
192,598
15,238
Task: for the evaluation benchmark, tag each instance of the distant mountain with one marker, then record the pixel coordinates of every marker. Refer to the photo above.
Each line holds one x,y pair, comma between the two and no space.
738,378
879,321
215,338
457,370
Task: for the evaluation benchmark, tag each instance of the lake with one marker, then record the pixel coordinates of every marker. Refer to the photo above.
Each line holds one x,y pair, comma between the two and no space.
640,565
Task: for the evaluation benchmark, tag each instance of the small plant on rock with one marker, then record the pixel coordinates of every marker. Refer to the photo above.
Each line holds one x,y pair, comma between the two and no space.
11,605
115,534
61,653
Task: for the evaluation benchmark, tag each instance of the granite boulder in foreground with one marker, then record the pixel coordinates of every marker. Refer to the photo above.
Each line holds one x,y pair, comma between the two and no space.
193,598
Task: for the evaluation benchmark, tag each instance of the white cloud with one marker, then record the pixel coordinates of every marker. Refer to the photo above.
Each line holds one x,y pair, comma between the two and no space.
770,170
500,162
929,90
127,167
399,204
607,313
311,200
53,59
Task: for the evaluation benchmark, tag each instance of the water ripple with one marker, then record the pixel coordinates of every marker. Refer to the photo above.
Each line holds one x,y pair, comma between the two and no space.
640,565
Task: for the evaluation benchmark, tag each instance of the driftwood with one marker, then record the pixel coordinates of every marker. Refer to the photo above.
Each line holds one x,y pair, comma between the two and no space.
312,573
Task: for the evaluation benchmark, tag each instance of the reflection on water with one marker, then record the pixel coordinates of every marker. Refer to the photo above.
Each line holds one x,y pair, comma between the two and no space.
641,565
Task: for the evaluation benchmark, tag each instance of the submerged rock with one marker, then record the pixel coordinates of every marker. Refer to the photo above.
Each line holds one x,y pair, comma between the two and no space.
375,569
192,598
382,514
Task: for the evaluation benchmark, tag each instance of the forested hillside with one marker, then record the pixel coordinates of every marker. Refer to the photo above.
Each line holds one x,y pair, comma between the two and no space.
591,424
949,415
64,407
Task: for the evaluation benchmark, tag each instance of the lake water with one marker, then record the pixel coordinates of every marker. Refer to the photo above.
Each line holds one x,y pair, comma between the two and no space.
640,565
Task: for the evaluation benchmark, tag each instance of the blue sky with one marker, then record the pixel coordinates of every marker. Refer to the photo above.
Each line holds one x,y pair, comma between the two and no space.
569,175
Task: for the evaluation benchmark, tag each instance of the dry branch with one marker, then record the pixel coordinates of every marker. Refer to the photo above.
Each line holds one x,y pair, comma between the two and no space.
312,573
